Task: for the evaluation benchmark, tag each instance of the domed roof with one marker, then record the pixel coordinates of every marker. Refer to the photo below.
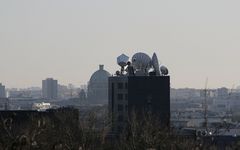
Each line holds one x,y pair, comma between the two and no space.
100,75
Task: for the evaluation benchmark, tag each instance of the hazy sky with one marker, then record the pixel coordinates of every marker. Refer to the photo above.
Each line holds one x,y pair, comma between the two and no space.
68,39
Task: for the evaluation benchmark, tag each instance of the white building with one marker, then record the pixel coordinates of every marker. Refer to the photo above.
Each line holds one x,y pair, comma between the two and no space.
2,91
50,88
41,106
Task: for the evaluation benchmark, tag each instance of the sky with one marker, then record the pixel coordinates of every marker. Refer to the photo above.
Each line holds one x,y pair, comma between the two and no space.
68,39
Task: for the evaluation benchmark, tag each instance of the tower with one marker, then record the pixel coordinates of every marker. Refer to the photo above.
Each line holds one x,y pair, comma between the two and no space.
2,91
50,88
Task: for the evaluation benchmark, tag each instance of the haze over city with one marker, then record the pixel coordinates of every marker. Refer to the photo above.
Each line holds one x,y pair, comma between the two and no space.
67,40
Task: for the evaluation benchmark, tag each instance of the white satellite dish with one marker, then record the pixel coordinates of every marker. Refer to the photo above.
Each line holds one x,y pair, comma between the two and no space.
164,70
155,64
141,62
122,60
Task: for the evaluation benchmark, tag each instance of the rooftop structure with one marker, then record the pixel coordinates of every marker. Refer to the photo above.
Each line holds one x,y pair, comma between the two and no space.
141,65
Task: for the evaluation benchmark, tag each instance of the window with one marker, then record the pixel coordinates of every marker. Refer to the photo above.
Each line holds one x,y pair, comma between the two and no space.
126,107
120,107
126,85
120,118
120,96
126,96
120,85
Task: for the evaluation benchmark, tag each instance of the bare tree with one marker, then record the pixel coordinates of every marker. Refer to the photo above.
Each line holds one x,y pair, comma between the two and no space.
147,132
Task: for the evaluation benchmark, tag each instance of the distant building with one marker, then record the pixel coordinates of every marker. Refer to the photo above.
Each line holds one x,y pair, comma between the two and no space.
98,87
50,88
222,92
4,104
2,91
41,106
185,93
82,95
209,93
62,91
19,93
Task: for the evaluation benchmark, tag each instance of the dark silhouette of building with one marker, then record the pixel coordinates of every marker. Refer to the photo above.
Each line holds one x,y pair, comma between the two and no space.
140,95
50,88
31,129
82,95
2,91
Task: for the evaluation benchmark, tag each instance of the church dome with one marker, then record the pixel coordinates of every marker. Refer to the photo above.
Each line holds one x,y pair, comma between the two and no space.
98,86
100,75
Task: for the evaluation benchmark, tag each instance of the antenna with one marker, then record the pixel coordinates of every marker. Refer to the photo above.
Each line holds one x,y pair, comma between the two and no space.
141,63
164,70
122,61
205,105
155,64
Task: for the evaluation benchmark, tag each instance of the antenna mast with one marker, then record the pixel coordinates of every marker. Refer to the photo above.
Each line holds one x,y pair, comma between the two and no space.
205,106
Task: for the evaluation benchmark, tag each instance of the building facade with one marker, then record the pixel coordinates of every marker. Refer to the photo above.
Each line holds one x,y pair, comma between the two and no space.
50,88
140,95
39,129
2,91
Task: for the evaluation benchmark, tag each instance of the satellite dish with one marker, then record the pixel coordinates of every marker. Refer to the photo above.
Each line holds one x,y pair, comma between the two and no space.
141,62
122,60
155,64
164,70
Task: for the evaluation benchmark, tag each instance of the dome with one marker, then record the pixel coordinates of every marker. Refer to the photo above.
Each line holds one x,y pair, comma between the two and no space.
98,87
100,75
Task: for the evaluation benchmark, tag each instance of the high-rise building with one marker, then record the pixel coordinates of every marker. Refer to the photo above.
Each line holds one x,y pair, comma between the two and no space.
50,88
140,91
2,91
139,94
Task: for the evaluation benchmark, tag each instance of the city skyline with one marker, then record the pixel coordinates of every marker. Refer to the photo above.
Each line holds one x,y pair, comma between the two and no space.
67,40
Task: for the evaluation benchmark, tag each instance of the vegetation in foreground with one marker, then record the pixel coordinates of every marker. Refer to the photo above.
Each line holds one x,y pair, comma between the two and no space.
61,132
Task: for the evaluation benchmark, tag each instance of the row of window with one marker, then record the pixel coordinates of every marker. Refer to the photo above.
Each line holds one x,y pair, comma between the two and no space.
120,96
120,118
121,107
120,85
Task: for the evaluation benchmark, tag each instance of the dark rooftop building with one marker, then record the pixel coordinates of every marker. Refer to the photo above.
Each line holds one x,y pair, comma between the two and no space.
140,95
139,91
30,129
